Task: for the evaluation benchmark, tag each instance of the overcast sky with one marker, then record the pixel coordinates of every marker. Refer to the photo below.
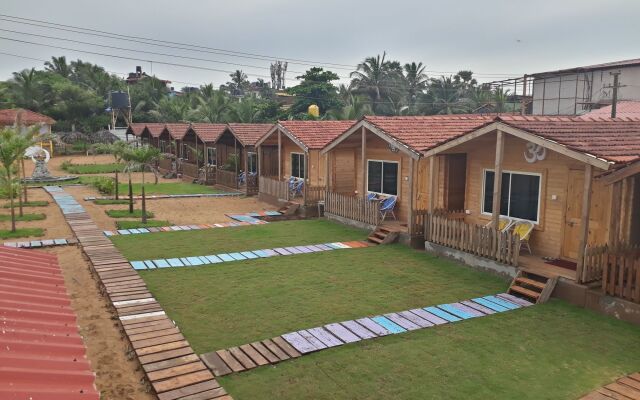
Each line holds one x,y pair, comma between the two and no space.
495,39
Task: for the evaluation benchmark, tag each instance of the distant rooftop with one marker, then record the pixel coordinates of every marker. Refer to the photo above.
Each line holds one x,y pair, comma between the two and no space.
608,65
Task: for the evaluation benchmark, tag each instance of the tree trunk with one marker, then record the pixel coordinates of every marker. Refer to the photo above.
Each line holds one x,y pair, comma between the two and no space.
144,203
24,179
130,196
117,190
13,211
21,213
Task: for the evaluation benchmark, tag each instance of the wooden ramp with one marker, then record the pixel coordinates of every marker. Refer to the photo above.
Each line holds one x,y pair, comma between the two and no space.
172,369
627,388
532,287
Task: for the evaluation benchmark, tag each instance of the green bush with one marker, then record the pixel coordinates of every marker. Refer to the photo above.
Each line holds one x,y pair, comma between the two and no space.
105,185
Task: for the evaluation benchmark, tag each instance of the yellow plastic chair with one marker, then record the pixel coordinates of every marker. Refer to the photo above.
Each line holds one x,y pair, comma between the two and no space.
523,230
503,225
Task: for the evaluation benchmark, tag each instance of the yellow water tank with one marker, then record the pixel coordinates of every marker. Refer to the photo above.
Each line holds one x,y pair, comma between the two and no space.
314,110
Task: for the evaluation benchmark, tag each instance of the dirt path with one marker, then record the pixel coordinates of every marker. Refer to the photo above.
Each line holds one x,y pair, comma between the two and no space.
117,378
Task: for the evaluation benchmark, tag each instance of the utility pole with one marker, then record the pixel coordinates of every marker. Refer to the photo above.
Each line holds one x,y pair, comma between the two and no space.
614,96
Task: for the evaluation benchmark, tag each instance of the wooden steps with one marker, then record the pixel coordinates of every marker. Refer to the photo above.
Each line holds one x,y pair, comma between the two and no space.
289,208
382,235
532,286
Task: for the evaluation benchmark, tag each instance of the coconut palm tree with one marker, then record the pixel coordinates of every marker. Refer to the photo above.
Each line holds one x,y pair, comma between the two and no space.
378,78
142,158
445,96
172,109
416,80
244,111
59,66
25,89
355,108
213,109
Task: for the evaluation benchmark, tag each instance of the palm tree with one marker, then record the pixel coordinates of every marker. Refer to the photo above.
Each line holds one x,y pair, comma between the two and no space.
117,149
25,89
416,80
172,109
213,109
13,143
355,108
59,66
143,158
244,111
207,91
444,94
378,78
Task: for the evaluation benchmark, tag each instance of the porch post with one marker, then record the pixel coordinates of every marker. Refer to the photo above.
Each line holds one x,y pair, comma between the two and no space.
364,162
432,186
497,180
197,158
259,160
279,155
584,226
306,176
410,210
616,214
235,153
327,158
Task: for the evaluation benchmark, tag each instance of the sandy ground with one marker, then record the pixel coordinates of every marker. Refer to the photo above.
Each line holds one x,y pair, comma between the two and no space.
54,225
117,378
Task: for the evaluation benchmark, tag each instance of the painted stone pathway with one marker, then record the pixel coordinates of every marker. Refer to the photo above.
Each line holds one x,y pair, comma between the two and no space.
295,344
244,255
171,367
33,244
167,196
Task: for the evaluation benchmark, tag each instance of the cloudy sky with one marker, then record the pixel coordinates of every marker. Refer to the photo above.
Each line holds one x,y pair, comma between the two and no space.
496,39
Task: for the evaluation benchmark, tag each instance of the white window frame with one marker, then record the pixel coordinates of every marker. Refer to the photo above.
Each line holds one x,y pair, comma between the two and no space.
398,183
291,166
249,154
215,151
511,172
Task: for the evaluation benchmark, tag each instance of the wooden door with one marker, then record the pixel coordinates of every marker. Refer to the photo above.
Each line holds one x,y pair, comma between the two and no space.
344,171
598,214
455,181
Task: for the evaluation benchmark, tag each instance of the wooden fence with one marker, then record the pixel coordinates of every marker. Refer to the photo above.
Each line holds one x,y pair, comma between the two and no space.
274,187
620,271
165,164
352,207
208,175
314,194
227,178
189,170
485,242
417,228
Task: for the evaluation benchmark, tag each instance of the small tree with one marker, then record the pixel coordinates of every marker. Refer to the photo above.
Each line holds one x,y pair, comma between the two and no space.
142,158
117,150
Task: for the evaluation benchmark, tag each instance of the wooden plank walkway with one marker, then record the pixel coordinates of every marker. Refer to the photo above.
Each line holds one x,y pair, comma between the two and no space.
306,341
626,388
171,367
245,255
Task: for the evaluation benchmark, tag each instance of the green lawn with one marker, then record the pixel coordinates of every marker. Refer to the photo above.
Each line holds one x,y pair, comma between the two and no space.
103,202
126,214
21,233
139,224
230,304
167,188
93,168
36,203
24,217
551,351
224,240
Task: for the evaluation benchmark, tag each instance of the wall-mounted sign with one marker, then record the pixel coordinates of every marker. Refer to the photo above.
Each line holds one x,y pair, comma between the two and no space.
534,153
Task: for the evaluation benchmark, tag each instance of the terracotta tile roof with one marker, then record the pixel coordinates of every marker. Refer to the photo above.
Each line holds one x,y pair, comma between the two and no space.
43,355
623,109
155,129
208,132
136,129
424,132
316,134
248,134
616,140
177,130
8,117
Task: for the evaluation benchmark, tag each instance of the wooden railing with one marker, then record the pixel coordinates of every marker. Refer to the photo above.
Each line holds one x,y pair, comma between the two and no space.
165,164
274,187
595,258
208,175
485,242
252,186
352,207
189,170
620,271
314,194
227,178
417,228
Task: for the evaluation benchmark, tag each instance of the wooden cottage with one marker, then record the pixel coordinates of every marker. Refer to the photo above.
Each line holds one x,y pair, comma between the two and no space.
195,148
169,144
135,130
151,133
290,151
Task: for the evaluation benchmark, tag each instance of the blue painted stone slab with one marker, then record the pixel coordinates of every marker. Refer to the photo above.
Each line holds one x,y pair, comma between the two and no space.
237,256
388,325
185,261
489,304
467,309
454,311
138,265
434,319
403,322
225,257
249,255
373,326
421,322
444,315
161,263
503,303
213,259
175,262
478,307
149,264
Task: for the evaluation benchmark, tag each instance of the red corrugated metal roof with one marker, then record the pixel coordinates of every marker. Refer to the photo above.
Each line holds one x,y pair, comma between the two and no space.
42,355
208,132
624,109
316,134
248,134
8,117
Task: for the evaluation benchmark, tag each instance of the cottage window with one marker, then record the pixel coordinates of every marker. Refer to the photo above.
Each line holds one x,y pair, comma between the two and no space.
297,165
252,162
211,156
382,177
185,151
163,146
519,197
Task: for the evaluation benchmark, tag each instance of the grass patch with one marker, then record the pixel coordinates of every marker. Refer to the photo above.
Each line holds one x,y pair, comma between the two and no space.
24,217
21,233
138,224
127,214
231,304
168,188
550,351
103,202
80,169
36,203
224,240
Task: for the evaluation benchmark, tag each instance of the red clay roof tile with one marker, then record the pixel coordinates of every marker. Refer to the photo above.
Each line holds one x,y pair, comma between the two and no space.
136,129
249,134
208,132
177,130
155,129
316,134
623,109
8,117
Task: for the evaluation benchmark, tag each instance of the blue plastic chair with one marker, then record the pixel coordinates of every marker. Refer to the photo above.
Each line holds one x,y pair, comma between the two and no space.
372,196
387,205
241,178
